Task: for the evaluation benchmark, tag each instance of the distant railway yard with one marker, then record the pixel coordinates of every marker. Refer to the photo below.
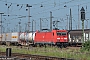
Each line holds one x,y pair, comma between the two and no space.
44,53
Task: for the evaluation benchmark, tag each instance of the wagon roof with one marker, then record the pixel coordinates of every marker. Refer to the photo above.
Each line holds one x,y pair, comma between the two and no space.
79,31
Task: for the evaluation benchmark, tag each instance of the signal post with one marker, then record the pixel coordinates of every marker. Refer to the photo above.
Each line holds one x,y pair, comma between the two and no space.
82,19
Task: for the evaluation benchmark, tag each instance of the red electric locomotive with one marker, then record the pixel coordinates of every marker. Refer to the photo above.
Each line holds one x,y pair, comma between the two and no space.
54,37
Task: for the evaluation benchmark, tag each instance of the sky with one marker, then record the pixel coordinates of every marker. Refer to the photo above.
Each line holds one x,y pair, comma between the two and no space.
15,12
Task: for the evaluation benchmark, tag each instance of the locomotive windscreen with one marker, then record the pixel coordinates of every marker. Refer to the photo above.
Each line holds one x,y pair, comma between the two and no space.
58,33
61,33
64,33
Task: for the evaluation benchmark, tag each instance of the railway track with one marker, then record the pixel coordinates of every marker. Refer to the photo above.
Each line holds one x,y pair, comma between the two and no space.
17,56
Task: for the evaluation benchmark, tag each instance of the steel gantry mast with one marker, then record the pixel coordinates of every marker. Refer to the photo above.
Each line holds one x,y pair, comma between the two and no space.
70,20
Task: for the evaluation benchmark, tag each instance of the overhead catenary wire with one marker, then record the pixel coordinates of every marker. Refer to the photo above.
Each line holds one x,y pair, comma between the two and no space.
61,8
43,2
71,6
20,4
45,10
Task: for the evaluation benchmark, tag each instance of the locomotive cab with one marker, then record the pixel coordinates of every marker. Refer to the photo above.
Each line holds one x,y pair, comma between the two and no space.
60,37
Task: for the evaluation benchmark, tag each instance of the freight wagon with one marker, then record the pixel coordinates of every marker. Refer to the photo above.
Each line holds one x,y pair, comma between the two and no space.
7,38
75,37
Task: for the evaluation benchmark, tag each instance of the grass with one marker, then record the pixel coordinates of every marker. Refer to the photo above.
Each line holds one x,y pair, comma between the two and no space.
50,51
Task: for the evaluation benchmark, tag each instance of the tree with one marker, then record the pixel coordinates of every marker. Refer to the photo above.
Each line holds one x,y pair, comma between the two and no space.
86,46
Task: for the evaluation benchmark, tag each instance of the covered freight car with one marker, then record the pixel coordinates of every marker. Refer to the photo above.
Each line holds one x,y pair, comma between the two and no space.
54,37
75,37
9,38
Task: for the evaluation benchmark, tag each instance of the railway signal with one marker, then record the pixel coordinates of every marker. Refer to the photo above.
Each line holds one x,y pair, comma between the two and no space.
82,19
